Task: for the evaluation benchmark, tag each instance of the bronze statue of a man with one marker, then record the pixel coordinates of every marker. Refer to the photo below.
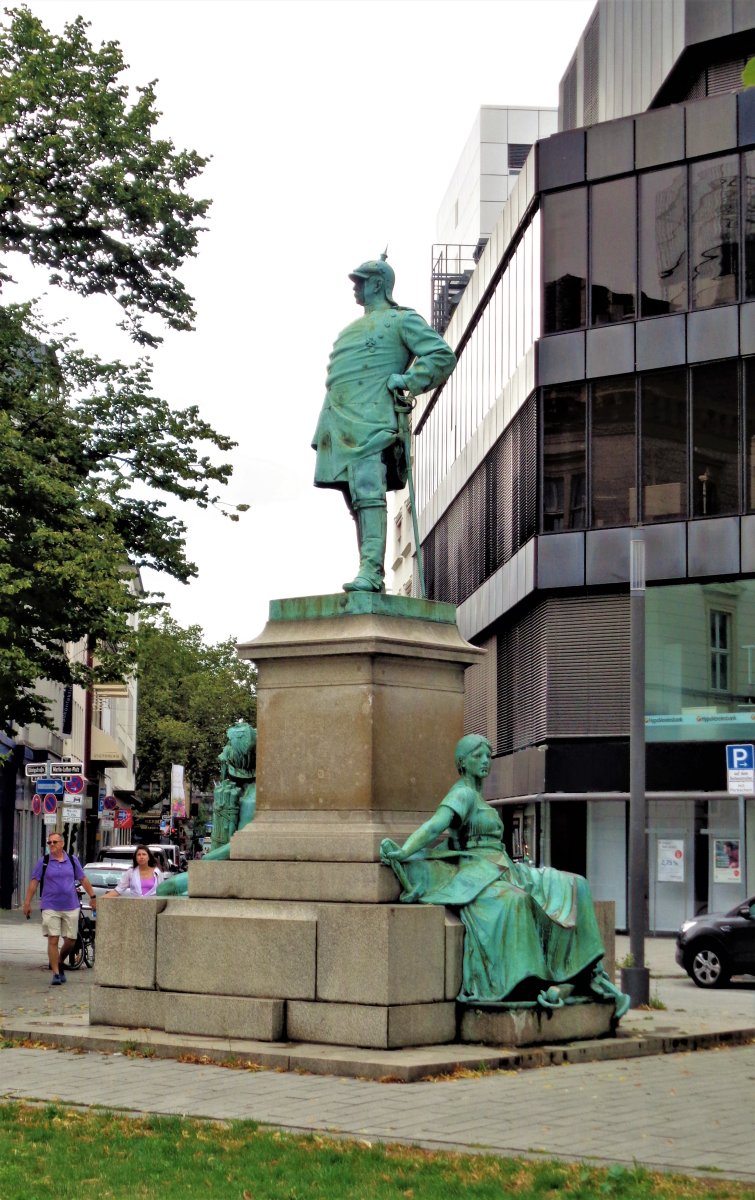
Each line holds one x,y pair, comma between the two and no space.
359,450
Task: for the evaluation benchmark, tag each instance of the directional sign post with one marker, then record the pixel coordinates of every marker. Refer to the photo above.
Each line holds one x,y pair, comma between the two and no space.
740,770
48,787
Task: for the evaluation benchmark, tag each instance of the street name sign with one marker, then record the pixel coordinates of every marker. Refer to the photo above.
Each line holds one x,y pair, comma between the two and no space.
32,770
65,769
740,770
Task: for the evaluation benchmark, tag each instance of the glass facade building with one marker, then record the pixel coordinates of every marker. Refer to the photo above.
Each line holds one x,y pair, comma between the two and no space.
605,384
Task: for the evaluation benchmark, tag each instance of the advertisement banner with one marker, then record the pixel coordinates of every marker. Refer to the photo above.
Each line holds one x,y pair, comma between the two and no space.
177,793
726,867
670,858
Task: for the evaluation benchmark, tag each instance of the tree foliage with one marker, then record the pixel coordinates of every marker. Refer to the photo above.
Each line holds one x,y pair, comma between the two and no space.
90,458
85,189
189,693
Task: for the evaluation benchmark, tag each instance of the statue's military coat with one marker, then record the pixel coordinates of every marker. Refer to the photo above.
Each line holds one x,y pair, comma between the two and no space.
358,416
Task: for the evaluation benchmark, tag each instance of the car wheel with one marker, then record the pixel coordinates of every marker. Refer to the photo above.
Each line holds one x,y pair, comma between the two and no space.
707,967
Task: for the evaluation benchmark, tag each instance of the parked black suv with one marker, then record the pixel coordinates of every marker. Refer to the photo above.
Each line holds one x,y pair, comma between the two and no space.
713,947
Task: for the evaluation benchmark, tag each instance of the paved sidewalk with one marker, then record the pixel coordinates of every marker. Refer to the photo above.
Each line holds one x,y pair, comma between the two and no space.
686,1112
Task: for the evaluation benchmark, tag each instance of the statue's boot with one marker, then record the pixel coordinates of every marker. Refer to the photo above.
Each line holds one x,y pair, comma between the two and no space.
372,525
607,990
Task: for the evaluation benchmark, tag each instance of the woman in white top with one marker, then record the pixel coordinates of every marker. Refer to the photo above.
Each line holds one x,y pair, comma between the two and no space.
142,878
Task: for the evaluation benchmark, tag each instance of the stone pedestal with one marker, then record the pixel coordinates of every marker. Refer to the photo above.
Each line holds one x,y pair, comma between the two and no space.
300,934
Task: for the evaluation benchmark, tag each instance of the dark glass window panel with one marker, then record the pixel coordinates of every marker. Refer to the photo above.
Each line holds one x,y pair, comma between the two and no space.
749,431
715,444
714,231
748,166
565,260
564,457
663,453
614,452
663,242
613,265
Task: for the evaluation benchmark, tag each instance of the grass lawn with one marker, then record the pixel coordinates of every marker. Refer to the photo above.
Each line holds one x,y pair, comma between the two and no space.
54,1151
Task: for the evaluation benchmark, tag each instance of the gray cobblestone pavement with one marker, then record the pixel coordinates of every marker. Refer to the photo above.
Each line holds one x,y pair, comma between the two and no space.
689,1112
686,1112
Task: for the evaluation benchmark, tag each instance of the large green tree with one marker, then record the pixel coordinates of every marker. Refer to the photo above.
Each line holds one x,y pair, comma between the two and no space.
189,693
90,458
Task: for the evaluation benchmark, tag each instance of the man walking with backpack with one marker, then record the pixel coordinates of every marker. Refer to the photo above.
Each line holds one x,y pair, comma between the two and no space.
56,873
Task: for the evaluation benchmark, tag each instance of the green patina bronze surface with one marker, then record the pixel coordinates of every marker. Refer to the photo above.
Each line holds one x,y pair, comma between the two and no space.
530,933
235,800
388,352
308,608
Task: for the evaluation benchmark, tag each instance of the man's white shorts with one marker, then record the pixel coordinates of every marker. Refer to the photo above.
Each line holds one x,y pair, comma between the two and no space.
60,924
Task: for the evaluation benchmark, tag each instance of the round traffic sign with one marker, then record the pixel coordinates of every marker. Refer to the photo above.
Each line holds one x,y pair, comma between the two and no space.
74,785
110,803
50,804
36,804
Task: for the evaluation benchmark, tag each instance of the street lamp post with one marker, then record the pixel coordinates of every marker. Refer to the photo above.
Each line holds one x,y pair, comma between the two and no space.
636,979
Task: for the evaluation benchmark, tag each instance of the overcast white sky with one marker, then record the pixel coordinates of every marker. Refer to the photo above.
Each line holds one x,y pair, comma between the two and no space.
334,127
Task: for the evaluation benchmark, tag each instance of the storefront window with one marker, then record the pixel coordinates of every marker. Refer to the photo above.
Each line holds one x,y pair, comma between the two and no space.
715,442
613,452
714,231
564,458
565,260
613,263
663,242
663,457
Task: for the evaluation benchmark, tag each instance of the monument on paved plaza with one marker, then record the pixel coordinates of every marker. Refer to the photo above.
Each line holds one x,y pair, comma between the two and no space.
300,930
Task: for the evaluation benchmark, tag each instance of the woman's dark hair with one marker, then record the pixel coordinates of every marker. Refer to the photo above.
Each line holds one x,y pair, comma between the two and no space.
152,861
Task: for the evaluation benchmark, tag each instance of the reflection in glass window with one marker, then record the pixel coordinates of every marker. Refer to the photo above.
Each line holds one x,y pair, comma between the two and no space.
564,458
715,461
720,639
663,242
663,457
700,662
613,262
749,430
714,231
564,260
613,452
748,167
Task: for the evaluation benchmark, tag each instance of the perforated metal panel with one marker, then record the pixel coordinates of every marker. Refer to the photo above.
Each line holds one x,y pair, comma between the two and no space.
592,47
563,671
480,690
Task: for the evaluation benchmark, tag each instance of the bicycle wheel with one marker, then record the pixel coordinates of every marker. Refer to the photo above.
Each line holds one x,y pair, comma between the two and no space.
89,952
75,956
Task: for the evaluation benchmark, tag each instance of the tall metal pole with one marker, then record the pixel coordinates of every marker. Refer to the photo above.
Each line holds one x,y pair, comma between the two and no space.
637,978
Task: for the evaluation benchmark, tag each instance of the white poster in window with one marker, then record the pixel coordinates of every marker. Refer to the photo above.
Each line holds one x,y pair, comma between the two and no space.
670,861
726,867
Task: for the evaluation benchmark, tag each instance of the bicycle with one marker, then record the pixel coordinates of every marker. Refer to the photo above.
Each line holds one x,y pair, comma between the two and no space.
83,947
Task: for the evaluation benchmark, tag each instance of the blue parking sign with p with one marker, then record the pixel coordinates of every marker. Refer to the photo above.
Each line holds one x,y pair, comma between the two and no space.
740,758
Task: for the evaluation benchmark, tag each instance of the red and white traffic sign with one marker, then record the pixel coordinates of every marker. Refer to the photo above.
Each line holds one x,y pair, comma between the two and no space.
50,804
36,804
74,785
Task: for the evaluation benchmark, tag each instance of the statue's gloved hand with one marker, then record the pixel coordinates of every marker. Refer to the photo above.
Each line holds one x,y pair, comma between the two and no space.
390,851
